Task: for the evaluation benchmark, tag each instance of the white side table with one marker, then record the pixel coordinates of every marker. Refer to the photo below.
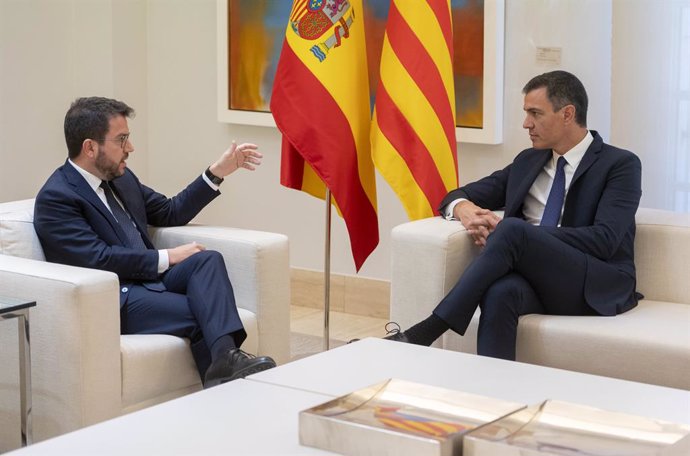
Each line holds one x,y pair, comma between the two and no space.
19,309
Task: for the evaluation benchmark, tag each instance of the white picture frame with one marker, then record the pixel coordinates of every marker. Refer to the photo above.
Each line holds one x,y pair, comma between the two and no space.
491,131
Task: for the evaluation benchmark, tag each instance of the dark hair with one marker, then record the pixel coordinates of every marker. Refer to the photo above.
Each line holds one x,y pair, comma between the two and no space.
562,88
89,118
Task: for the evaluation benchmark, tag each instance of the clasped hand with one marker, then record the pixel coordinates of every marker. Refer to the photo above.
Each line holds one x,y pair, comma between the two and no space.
478,222
180,253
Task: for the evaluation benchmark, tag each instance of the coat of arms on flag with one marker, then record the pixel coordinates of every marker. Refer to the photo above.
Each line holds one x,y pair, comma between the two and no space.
311,19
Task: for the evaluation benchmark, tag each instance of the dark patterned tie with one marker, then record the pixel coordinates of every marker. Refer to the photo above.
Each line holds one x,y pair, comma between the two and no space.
554,203
126,223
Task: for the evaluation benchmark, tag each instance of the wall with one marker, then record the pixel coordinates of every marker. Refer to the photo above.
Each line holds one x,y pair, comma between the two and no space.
160,56
647,105
52,51
185,136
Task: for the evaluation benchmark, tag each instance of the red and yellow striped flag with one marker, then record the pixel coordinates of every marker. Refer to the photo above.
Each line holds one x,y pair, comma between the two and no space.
320,103
413,129
408,421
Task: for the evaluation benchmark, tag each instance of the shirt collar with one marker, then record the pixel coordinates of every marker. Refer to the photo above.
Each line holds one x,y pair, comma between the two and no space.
93,181
574,155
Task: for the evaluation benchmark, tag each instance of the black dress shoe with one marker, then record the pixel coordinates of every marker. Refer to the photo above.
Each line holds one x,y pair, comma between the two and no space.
234,364
394,333
399,337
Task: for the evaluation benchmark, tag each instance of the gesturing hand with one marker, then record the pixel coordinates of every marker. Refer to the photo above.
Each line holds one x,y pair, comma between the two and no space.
245,155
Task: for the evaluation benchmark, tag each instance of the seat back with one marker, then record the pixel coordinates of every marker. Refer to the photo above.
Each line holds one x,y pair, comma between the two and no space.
17,235
662,255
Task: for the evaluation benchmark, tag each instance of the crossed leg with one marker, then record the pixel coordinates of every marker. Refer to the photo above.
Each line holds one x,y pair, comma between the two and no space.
522,269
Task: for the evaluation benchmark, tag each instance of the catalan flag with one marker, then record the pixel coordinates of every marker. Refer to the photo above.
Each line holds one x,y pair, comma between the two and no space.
399,420
413,129
320,103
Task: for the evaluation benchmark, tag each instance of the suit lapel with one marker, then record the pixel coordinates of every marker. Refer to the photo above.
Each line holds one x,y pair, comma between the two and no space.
588,159
530,170
83,188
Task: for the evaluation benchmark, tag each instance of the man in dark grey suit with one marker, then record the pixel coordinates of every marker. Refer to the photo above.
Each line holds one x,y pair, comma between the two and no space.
93,212
565,244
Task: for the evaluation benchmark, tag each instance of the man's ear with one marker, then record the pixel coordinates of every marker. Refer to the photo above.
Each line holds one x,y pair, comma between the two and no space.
568,114
88,148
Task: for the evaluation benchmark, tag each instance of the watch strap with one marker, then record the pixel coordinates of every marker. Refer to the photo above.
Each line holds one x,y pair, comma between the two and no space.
212,177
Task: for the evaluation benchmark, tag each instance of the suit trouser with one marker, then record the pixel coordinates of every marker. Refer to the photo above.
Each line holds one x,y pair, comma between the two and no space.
521,270
198,304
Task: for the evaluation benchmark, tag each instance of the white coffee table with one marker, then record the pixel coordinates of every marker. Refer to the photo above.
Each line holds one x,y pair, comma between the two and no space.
237,418
370,361
259,415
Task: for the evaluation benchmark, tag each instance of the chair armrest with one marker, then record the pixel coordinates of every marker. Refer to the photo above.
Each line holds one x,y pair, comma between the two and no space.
428,257
75,343
259,269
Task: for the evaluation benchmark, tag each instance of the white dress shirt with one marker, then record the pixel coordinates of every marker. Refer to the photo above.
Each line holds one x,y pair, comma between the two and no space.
95,183
535,201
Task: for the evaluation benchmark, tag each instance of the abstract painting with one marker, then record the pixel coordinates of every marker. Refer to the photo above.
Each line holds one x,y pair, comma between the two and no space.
250,38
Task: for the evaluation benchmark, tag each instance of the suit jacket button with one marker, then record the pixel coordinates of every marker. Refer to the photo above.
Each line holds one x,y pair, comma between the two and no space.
125,289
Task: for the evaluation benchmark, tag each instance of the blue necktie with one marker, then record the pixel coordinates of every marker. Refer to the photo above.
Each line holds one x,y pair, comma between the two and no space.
554,203
126,223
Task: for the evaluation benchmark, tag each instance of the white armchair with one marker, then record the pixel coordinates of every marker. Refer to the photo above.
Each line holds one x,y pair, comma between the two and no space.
83,370
650,343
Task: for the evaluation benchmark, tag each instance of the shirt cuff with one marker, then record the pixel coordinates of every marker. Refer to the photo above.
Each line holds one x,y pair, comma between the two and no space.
163,261
208,181
450,207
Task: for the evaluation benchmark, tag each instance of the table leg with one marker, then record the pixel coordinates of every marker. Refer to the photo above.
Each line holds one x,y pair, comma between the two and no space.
25,377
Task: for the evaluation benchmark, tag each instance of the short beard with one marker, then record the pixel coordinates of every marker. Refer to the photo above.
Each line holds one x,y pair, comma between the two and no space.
106,169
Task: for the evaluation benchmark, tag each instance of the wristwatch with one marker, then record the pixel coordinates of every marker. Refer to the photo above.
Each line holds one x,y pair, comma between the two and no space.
212,177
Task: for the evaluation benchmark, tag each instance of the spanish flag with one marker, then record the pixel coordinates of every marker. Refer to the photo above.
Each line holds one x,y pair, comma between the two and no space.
320,103
413,129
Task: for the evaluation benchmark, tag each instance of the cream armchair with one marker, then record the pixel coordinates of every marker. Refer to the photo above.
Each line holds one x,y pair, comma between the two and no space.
650,343
83,370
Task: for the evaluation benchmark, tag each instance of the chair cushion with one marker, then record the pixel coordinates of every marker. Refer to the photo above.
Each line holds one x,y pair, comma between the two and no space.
147,361
647,344
17,235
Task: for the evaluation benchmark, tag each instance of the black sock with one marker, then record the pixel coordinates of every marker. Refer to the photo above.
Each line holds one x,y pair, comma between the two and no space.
427,331
221,345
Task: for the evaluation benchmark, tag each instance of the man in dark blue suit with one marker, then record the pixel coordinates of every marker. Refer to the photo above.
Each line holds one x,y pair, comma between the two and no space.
93,212
565,244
